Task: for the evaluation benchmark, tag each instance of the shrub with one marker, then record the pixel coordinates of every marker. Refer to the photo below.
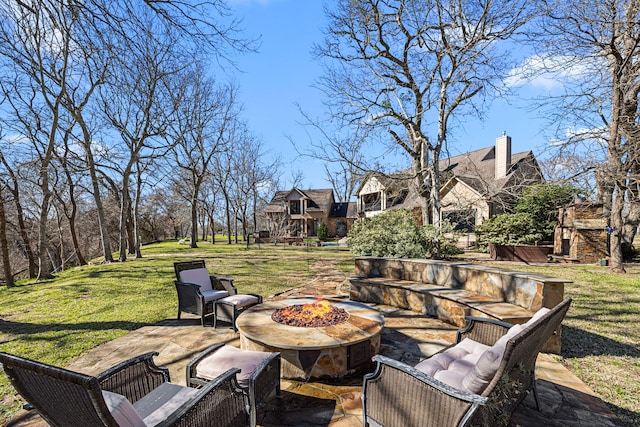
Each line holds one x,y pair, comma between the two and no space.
509,229
541,201
323,231
396,234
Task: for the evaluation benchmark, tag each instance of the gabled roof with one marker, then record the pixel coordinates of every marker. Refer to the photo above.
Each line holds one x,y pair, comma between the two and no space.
317,200
476,169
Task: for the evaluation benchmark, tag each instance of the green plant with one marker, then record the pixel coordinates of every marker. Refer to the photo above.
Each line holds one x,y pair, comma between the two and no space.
323,231
396,234
542,201
509,229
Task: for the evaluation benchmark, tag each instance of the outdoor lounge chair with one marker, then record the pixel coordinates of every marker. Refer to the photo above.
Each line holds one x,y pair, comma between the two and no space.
197,289
479,380
259,375
133,393
207,295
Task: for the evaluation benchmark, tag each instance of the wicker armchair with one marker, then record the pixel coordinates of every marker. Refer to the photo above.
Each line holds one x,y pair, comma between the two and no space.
396,394
133,393
198,298
259,377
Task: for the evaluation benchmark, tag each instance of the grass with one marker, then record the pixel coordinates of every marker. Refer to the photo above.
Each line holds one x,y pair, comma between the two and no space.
60,320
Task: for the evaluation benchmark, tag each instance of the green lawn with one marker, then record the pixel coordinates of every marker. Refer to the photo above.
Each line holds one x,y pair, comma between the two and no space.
60,320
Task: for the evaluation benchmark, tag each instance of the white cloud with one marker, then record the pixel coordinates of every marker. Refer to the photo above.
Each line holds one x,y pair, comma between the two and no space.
548,72
572,136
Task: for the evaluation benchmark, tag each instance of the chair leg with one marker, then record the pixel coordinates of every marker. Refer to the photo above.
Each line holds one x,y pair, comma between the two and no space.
535,396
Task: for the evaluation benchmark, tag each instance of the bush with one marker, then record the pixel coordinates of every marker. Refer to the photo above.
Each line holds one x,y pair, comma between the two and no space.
396,234
323,231
509,229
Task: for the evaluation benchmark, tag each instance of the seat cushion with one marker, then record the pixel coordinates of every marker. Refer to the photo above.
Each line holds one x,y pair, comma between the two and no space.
465,354
213,295
227,357
198,276
240,300
469,365
122,410
162,402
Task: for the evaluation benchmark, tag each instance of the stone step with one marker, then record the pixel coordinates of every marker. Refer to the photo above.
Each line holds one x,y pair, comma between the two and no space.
455,304
442,302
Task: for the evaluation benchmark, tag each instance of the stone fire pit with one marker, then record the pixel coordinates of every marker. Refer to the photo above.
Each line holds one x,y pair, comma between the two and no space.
314,352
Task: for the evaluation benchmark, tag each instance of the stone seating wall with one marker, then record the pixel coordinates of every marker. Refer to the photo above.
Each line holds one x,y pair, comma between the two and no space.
451,291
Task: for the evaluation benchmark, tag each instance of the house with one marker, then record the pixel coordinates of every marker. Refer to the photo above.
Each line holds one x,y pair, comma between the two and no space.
298,213
474,186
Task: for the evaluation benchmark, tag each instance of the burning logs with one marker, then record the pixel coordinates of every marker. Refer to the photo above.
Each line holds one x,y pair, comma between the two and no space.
310,315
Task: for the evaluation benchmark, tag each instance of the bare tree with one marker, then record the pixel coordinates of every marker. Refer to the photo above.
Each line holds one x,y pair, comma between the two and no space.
343,154
600,104
201,132
408,67
138,103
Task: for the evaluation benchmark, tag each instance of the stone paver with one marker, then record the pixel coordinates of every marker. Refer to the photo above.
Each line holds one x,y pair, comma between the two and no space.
565,400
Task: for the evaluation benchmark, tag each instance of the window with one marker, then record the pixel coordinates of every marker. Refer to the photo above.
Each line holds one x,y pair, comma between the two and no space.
371,202
463,220
341,227
294,207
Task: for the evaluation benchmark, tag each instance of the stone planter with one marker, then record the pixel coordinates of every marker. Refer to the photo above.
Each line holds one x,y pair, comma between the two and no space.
522,253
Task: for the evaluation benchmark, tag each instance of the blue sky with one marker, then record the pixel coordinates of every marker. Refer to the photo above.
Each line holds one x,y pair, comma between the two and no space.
282,73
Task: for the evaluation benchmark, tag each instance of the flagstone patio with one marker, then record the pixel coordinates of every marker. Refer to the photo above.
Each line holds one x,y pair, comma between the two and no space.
409,337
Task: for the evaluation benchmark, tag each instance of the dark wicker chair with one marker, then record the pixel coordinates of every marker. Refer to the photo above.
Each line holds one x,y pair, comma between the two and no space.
190,297
67,399
396,394
263,381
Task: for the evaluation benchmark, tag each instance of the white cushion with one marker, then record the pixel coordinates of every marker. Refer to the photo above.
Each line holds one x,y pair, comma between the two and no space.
537,315
198,276
469,365
122,410
240,300
466,353
213,295
228,357
481,374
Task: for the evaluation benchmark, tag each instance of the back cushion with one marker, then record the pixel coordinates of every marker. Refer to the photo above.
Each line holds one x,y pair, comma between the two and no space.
482,373
122,410
199,276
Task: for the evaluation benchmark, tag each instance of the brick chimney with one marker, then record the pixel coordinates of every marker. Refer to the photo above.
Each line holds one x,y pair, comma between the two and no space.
503,155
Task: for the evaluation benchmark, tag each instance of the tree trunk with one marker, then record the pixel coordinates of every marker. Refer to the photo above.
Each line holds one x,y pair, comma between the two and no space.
4,246
124,211
44,266
616,261
194,220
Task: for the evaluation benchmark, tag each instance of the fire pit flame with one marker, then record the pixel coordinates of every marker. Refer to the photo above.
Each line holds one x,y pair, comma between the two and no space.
311,315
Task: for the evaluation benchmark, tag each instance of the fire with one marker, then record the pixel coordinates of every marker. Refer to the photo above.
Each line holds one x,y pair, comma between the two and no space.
313,314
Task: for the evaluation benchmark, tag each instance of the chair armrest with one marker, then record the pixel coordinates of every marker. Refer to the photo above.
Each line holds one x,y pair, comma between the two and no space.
134,378
219,403
266,378
226,282
483,330
398,394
